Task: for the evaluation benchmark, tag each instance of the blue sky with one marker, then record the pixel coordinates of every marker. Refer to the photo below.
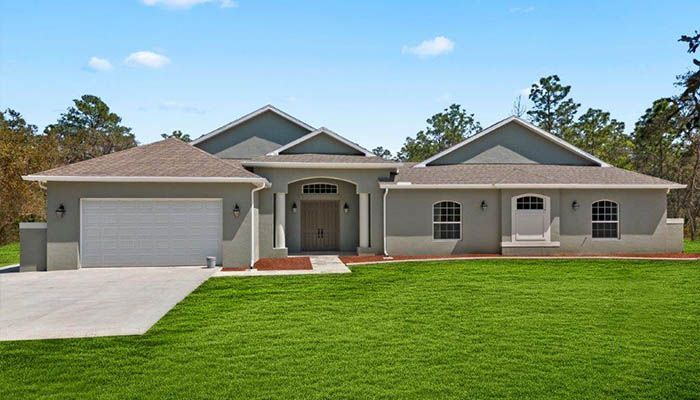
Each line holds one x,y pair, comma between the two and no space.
356,67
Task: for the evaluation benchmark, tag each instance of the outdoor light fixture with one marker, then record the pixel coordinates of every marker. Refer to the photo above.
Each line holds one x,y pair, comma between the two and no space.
575,205
346,208
236,211
294,208
484,206
60,211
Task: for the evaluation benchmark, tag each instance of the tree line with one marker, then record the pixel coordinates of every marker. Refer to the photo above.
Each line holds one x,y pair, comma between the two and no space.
86,130
664,142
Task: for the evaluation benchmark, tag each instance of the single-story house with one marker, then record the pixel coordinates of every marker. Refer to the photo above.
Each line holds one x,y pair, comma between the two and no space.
269,185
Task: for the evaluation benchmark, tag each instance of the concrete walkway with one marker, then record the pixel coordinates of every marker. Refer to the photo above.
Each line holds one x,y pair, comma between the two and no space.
91,301
319,265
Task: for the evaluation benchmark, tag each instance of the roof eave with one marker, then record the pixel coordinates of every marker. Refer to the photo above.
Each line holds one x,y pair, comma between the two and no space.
409,185
324,165
150,179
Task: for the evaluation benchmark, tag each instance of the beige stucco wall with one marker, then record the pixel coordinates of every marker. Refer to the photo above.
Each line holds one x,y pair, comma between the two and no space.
63,234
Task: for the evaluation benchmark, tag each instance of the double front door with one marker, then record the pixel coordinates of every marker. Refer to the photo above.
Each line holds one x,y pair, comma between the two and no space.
320,226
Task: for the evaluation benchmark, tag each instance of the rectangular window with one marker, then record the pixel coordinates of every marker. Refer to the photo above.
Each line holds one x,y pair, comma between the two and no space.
320,188
447,220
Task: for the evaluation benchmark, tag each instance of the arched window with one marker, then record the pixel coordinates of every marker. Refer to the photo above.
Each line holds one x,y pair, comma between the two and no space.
320,188
447,220
605,220
530,203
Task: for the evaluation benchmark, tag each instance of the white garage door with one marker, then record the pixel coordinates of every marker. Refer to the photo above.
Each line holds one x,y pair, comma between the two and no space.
144,232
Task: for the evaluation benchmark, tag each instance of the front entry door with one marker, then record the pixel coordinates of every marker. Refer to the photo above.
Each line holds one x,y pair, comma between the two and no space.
319,225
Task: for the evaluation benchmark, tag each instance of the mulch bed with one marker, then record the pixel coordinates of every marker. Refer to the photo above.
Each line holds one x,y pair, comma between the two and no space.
283,264
378,258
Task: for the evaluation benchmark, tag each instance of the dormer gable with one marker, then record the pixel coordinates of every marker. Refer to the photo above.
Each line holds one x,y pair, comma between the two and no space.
322,141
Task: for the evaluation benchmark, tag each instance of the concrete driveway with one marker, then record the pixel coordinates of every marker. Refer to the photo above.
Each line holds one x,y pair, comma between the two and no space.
91,302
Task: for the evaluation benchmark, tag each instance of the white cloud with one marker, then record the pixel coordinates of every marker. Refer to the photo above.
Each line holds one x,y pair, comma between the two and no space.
525,92
187,4
147,59
521,10
99,64
182,107
434,47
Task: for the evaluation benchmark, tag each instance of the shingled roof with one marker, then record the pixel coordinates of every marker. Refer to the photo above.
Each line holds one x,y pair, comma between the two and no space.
523,175
166,160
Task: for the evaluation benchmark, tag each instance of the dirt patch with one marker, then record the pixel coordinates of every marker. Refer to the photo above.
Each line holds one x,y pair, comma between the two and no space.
283,264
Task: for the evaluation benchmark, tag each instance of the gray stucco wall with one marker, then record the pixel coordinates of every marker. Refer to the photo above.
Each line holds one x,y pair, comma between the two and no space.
643,227
32,245
349,223
63,234
410,222
322,144
255,137
642,215
512,144
364,181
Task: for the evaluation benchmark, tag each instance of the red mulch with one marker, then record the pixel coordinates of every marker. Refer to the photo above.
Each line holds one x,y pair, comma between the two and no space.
280,264
365,259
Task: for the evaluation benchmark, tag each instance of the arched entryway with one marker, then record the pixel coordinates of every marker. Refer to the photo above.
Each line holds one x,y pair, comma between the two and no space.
323,216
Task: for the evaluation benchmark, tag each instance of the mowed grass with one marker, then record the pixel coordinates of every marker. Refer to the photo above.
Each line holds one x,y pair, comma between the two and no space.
690,246
479,329
9,254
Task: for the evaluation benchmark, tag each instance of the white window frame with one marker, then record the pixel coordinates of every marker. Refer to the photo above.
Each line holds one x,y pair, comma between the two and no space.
513,218
337,189
616,222
432,217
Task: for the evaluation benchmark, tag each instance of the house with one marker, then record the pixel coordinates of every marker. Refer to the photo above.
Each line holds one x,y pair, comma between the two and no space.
270,185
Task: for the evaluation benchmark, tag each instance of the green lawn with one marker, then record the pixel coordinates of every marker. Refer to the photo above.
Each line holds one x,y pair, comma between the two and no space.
479,329
691,247
9,254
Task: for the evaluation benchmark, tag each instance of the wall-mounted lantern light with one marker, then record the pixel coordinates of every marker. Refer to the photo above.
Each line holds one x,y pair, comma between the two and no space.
484,206
294,208
60,211
346,208
236,211
575,205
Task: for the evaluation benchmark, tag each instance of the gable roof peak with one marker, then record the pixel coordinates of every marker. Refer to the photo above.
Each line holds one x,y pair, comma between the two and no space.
526,124
251,115
317,132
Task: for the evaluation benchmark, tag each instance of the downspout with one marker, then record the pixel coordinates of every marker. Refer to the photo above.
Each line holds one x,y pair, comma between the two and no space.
252,220
386,192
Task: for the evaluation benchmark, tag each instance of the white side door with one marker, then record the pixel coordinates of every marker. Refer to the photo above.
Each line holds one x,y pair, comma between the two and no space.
530,218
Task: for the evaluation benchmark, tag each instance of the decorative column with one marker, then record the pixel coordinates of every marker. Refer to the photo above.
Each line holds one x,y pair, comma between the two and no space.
364,220
280,218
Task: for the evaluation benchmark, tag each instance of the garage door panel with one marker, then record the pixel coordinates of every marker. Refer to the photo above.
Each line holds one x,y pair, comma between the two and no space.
150,232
